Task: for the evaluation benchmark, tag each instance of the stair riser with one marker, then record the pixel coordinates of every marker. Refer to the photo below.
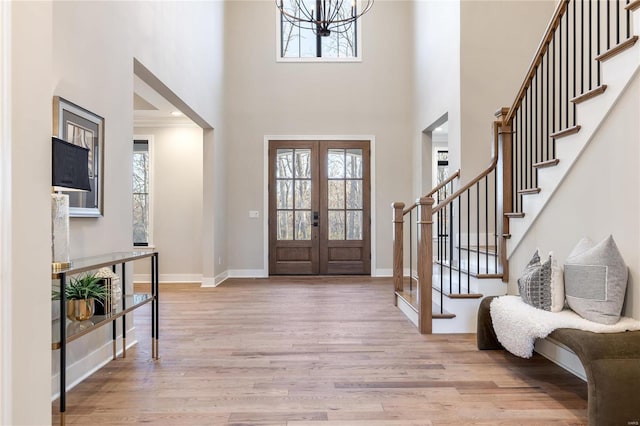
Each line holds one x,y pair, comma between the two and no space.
486,287
617,72
466,311
472,261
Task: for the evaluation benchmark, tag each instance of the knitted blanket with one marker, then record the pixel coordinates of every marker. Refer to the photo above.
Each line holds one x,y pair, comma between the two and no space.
518,325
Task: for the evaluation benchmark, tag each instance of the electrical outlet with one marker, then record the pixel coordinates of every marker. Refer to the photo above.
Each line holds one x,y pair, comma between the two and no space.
254,214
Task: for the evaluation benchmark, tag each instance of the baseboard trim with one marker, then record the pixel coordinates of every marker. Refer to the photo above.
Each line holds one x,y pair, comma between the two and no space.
169,278
209,282
85,367
408,310
383,272
248,273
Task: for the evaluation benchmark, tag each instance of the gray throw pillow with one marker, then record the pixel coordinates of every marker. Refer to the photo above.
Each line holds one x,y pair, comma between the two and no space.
595,277
541,285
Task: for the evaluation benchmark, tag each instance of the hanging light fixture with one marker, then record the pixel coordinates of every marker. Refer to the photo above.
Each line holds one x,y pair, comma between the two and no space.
323,16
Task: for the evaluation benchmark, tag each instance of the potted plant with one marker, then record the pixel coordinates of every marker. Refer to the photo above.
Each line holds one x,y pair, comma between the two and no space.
81,293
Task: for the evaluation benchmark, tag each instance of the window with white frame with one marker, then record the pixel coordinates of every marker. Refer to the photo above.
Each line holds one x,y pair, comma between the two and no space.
305,43
141,193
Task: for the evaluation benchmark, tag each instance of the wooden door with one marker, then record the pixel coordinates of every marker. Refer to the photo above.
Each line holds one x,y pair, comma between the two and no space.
319,208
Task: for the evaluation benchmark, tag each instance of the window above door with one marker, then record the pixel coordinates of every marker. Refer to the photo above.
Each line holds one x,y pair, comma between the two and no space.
302,45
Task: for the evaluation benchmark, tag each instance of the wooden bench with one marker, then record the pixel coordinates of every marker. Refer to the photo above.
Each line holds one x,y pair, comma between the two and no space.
610,360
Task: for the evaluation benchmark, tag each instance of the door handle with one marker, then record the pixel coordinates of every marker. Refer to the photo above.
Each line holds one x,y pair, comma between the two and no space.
315,218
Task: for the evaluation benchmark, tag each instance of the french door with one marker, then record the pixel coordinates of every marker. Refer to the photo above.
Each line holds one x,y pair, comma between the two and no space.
319,208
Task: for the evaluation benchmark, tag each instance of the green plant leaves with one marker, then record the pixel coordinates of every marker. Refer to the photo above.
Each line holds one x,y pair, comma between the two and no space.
86,286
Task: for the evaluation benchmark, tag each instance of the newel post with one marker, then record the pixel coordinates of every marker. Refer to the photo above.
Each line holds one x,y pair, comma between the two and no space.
398,244
505,186
425,265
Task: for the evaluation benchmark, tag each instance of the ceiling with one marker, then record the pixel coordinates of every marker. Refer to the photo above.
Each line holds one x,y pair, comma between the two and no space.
150,109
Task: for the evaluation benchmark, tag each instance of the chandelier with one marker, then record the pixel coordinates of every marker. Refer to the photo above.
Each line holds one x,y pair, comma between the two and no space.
323,16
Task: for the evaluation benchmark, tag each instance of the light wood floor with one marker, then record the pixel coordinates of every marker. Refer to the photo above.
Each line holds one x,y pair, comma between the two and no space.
300,351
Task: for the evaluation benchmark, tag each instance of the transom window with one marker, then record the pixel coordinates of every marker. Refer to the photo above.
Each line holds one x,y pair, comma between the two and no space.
308,43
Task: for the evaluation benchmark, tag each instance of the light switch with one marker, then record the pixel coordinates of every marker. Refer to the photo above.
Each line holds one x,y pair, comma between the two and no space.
254,214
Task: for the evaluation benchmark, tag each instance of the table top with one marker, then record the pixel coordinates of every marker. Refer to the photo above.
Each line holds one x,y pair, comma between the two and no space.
95,262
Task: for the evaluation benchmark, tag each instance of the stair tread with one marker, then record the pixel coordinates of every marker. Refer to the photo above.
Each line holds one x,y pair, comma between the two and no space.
565,132
635,4
529,191
590,94
620,47
515,215
547,163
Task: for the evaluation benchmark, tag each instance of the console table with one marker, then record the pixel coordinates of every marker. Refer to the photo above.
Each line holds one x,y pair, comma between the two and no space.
65,331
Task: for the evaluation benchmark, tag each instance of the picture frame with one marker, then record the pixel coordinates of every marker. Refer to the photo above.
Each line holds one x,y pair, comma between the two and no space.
79,126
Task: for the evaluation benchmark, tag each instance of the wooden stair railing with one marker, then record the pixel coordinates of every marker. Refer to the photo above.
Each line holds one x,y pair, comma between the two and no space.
399,215
565,70
467,227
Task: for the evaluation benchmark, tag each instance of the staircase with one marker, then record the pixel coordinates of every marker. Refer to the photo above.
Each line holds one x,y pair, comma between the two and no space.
458,237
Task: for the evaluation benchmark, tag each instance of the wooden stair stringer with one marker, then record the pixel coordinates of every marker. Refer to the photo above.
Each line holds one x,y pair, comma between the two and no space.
618,72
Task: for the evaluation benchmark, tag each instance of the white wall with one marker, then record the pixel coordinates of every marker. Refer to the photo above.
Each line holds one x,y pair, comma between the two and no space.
265,97
177,203
5,203
495,54
598,198
28,347
470,60
436,57
87,57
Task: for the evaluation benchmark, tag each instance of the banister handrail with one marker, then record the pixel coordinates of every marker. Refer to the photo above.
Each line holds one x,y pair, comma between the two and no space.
492,166
437,188
561,8
455,174
407,210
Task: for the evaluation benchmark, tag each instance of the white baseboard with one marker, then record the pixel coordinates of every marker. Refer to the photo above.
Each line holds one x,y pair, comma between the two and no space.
85,367
383,272
169,278
208,282
561,355
408,311
248,273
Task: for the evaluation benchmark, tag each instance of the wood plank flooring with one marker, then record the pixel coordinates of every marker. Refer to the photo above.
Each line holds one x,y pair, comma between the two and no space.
314,352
